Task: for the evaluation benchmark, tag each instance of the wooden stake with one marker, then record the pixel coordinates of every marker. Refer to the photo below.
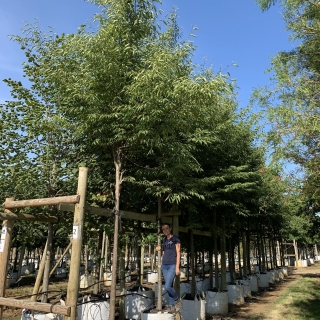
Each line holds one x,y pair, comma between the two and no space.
5,244
73,283
40,274
46,273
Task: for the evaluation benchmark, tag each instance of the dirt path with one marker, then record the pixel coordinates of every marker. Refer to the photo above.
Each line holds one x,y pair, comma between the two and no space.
262,305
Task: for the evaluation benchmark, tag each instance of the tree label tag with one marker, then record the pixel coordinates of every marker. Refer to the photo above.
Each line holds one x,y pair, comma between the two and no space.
2,245
4,233
75,232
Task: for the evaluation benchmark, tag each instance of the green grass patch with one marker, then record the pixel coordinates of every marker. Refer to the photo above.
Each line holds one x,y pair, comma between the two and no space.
301,300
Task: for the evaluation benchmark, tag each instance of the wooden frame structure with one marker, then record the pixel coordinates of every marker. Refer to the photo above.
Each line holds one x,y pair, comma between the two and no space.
76,204
8,218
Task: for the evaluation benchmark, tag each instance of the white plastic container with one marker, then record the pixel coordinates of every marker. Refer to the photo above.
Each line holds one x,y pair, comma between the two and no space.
156,315
285,271
8,281
254,283
137,300
185,288
193,309
235,293
128,276
107,278
246,287
271,275
152,277
216,302
263,280
86,281
202,284
60,273
93,308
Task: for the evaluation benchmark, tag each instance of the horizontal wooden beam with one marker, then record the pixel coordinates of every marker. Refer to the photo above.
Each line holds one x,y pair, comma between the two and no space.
152,217
104,212
40,202
196,232
29,217
37,306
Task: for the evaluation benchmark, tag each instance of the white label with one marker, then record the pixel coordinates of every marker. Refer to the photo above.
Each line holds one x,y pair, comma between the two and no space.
75,232
3,233
2,245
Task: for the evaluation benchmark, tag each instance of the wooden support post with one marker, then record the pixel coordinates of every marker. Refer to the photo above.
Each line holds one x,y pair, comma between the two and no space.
60,259
40,274
46,273
73,283
101,258
5,244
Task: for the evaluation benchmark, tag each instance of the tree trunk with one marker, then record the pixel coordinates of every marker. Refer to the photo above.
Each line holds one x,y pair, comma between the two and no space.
21,257
192,266
122,276
215,249
295,245
244,254
118,182
159,301
223,256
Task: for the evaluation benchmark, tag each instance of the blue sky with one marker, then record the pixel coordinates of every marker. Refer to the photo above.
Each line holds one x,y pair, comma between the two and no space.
229,31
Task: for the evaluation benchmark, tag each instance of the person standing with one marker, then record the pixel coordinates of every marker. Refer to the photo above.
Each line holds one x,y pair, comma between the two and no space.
170,265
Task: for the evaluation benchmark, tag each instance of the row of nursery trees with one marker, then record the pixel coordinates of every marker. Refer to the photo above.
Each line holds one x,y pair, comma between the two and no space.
123,97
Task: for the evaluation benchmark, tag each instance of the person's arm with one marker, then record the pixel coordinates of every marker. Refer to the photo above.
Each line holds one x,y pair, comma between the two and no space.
178,246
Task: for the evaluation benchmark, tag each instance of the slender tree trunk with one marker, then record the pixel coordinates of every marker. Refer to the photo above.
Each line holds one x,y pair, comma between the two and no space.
244,254
248,252
118,182
231,260
274,250
141,263
210,266
263,254
122,276
86,271
239,258
159,301
21,257
223,256
106,253
97,278
295,245
270,254
215,248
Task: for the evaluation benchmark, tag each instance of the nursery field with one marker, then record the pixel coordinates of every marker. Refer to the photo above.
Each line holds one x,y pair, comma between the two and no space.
297,297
